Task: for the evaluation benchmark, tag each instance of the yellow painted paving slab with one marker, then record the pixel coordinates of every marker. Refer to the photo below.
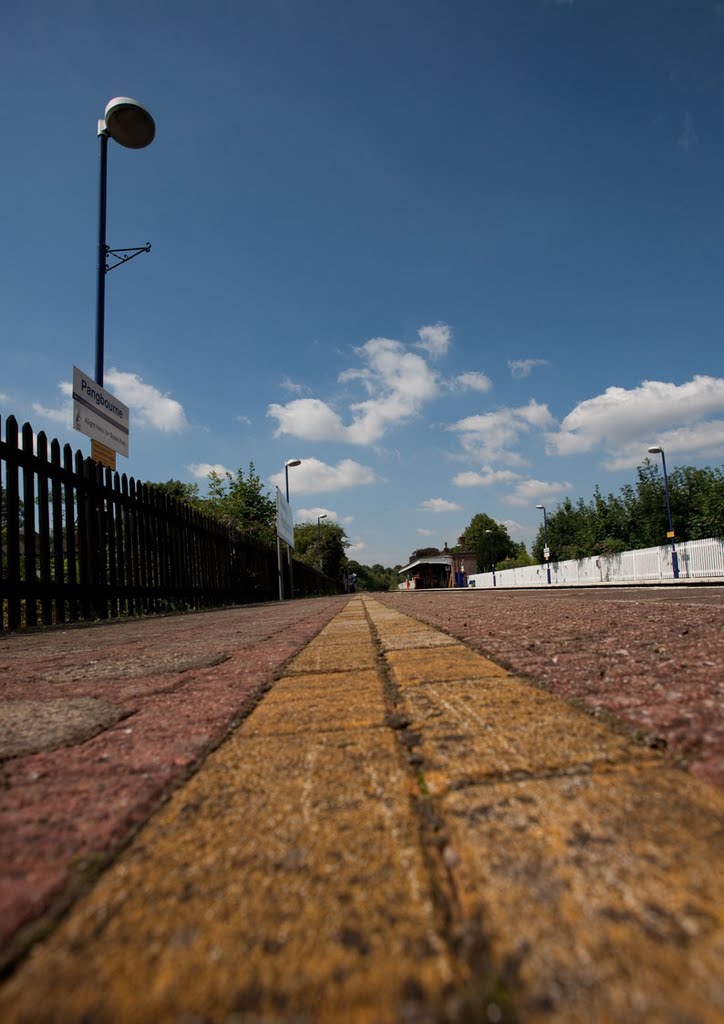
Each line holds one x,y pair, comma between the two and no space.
338,657
498,725
593,868
448,663
603,892
317,701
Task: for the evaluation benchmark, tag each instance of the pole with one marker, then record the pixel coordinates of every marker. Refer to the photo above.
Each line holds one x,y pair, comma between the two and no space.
101,278
548,556
674,556
289,550
279,569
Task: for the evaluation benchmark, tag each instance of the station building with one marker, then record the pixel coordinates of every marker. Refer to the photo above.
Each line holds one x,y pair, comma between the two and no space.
436,572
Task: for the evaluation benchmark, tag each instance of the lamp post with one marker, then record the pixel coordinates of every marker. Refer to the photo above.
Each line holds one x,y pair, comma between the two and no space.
130,125
658,450
490,553
319,539
547,550
287,464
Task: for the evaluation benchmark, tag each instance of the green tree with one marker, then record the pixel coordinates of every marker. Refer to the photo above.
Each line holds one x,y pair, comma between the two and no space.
322,546
179,491
373,578
569,533
242,502
519,559
424,553
637,516
490,541
697,500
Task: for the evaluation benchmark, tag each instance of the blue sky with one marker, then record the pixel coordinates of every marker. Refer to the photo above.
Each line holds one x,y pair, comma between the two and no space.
458,257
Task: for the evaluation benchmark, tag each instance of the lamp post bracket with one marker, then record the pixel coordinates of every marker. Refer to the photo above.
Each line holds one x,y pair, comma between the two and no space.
121,257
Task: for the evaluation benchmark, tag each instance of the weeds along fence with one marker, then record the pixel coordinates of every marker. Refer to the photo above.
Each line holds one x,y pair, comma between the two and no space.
80,542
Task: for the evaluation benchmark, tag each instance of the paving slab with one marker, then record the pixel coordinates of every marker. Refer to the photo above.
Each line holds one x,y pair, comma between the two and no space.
428,837
602,893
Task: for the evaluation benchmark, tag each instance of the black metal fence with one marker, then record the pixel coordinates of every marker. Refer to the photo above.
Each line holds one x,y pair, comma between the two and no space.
80,542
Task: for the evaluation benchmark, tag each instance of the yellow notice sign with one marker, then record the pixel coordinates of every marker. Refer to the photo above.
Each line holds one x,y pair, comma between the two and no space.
101,453
670,534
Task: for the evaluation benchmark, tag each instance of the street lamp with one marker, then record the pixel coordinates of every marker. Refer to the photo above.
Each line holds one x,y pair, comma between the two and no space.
490,554
547,550
287,464
658,450
130,125
319,539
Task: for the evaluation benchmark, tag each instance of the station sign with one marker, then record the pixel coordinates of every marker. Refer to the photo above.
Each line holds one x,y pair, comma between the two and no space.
285,520
98,414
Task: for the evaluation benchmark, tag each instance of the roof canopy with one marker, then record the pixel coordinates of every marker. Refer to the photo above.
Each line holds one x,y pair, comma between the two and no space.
443,560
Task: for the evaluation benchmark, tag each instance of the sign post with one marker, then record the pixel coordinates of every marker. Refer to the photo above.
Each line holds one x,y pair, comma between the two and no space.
285,532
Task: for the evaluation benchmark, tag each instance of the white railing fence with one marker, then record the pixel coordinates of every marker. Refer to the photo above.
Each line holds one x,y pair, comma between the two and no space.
698,560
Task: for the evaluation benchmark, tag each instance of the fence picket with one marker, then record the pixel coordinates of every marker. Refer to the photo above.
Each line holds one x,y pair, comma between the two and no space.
59,546
44,538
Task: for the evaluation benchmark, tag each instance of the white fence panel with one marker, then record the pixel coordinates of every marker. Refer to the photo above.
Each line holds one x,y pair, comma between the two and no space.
698,559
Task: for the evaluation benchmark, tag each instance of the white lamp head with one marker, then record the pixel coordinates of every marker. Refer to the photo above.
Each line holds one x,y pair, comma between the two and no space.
128,123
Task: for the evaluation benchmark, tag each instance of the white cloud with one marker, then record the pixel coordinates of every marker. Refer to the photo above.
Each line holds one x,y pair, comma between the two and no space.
356,548
314,476
516,530
524,367
287,384
439,505
201,470
474,381
63,414
485,478
435,339
490,436
310,419
150,407
310,515
402,382
623,420
426,533
533,492
397,381
704,440
346,520
246,420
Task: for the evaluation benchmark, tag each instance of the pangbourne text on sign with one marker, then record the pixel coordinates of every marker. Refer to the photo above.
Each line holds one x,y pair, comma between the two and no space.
99,414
